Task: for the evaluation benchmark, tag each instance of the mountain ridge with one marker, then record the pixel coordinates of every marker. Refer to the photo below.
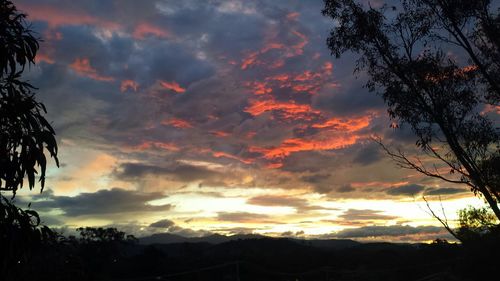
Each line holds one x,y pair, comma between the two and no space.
170,238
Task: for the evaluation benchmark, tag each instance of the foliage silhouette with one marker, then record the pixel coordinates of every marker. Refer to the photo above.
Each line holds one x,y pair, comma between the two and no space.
25,134
101,249
20,236
476,224
405,50
104,235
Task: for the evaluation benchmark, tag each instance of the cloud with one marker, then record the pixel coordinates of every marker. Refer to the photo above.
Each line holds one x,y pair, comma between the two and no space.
169,226
102,203
301,205
182,172
368,215
175,104
345,188
82,67
242,217
368,154
165,223
406,190
393,230
315,178
445,191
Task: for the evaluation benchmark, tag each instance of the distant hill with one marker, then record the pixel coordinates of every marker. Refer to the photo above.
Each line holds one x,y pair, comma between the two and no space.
168,238
333,244
173,257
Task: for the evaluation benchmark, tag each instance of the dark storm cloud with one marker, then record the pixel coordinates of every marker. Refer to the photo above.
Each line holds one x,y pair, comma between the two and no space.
316,178
349,98
368,154
179,171
165,223
119,58
406,190
170,61
140,230
393,230
445,191
321,183
103,202
312,161
168,226
356,215
345,188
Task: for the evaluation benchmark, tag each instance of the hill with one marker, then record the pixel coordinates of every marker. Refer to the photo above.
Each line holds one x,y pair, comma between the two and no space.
168,238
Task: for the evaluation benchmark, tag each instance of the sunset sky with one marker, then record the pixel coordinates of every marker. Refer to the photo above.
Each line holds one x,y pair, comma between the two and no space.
199,117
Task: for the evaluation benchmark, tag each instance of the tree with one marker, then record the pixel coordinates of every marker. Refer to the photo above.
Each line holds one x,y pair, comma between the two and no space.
477,224
436,63
104,235
101,249
25,136
20,236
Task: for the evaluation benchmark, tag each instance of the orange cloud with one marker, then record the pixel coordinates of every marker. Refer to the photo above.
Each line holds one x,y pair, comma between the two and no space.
287,51
308,81
328,68
219,154
271,46
158,145
345,125
491,108
129,84
252,58
280,77
220,134
296,145
277,64
142,30
177,123
40,57
249,60
289,110
83,68
298,49
311,82
259,88
173,86
58,17
274,165
459,73
250,135
336,133
306,76
292,16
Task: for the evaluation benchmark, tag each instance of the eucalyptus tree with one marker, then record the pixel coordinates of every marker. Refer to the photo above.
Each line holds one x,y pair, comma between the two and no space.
436,63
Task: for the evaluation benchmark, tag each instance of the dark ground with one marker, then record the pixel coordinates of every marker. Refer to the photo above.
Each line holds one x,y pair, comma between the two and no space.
265,259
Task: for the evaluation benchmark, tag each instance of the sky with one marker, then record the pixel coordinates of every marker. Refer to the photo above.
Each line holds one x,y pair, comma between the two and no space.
200,117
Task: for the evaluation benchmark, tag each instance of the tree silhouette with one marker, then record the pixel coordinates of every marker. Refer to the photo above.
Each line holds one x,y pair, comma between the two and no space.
436,63
25,136
477,224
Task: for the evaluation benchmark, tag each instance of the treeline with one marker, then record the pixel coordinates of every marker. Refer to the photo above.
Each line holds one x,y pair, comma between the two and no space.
110,254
